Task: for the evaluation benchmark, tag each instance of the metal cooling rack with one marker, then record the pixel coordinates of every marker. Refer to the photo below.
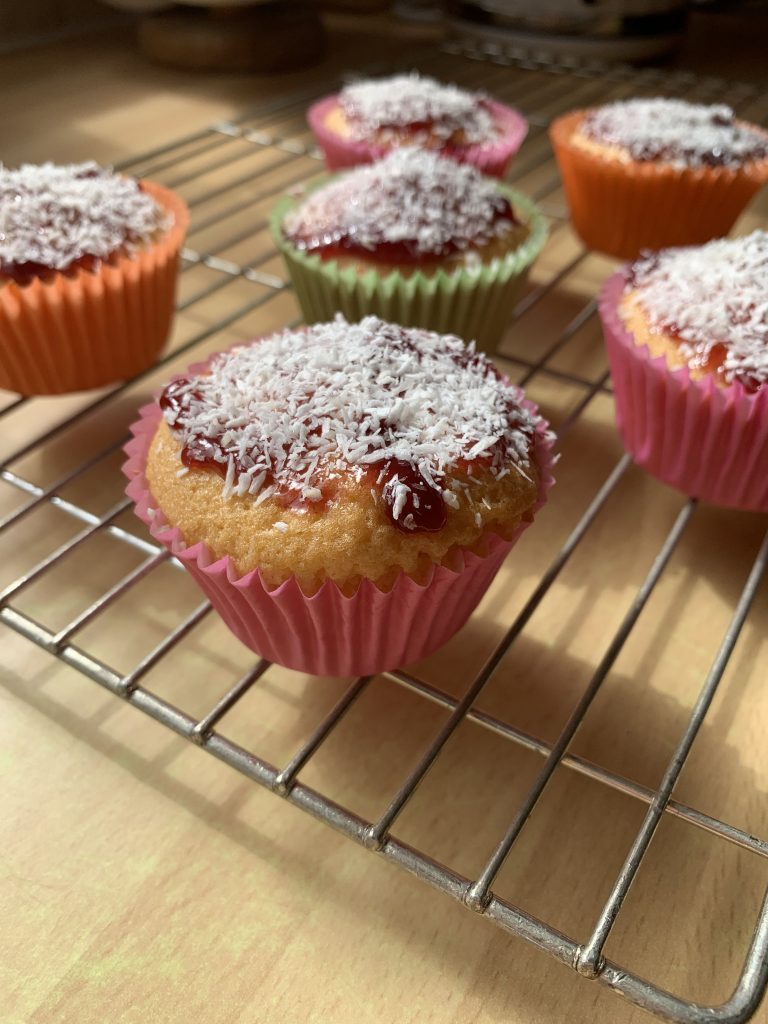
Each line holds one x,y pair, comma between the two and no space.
230,173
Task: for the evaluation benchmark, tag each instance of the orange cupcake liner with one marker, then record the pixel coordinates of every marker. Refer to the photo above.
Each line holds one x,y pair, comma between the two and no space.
622,208
85,329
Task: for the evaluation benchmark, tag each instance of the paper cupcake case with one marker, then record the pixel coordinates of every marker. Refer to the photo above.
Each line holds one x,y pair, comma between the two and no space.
87,329
492,158
621,208
710,442
475,305
329,633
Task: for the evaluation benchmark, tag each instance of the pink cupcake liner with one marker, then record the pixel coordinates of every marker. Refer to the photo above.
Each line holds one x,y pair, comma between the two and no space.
329,633
492,158
709,441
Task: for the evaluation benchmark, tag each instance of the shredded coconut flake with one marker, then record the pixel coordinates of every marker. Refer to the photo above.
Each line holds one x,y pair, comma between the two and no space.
715,294
337,399
415,197
52,216
420,103
684,134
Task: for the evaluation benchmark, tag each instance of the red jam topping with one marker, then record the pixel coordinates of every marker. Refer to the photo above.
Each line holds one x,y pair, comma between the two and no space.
423,507
404,412
677,132
406,252
712,300
419,105
412,207
23,273
64,219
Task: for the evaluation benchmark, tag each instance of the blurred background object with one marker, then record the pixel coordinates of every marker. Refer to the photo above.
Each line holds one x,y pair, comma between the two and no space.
29,24
212,35
626,30
244,35
354,6
283,35
139,5
419,10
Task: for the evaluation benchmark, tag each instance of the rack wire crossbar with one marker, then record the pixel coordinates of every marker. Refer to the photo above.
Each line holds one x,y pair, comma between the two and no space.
278,131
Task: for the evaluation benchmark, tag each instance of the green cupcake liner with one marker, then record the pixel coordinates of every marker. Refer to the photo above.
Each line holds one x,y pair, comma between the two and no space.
474,304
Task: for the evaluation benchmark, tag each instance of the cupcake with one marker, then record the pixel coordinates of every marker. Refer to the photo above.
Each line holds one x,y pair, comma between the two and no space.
369,118
652,173
687,337
88,266
344,493
415,238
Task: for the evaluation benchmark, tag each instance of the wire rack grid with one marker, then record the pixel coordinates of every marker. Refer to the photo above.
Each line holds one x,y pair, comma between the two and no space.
231,286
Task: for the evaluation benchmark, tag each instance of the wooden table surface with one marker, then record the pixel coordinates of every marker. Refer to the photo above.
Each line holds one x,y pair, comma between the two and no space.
143,882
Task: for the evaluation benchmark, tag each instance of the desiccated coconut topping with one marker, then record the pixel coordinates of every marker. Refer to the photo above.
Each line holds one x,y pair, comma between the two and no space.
685,134
52,216
711,296
414,199
400,408
413,101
